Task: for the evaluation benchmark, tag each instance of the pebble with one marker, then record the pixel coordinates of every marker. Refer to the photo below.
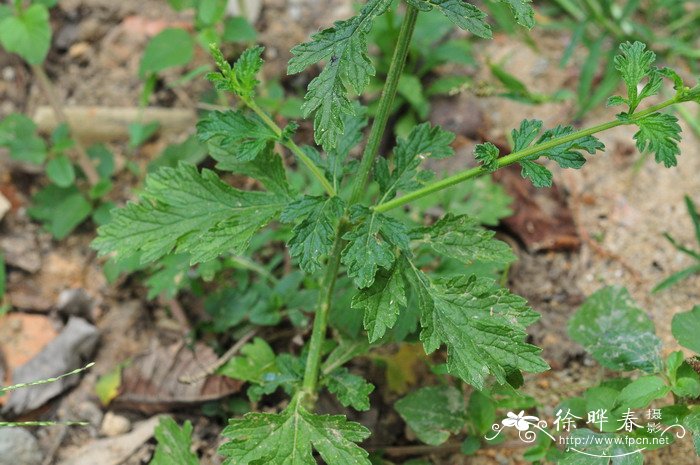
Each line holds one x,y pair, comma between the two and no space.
114,425
19,447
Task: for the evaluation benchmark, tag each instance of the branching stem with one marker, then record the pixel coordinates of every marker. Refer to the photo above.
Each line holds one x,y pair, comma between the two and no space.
515,157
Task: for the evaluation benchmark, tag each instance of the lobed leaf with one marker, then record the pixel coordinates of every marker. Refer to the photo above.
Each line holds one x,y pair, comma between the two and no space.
243,137
289,438
462,14
183,210
660,134
381,302
433,413
241,78
345,47
351,390
487,155
174,444
312,237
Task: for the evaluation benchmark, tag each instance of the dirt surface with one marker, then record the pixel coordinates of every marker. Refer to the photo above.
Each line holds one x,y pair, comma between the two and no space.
620,208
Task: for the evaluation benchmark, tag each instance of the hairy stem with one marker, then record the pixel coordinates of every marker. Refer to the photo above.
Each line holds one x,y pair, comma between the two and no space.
385,103
296,150
515,157
318,333
82,158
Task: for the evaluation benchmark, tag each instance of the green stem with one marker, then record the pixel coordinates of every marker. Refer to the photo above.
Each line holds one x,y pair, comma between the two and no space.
296,150
385,103
515,157
318,332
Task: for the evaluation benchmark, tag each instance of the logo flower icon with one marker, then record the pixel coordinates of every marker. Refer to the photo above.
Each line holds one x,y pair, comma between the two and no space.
520,421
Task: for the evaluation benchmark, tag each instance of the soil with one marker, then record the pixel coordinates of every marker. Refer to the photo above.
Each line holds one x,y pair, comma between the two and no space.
620,206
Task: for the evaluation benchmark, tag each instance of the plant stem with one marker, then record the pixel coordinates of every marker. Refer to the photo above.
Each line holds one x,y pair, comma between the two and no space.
309,388
82,158
296,150
515,157
385,103
318,332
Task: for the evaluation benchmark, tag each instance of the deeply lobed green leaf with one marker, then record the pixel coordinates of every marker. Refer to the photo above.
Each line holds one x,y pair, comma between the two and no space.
183,210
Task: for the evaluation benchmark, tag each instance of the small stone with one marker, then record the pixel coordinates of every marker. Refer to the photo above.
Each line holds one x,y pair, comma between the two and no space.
75,302
79,50
115,425
4,206
19,447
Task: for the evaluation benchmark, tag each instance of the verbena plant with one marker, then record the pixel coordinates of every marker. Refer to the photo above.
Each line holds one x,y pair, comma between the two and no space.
343,228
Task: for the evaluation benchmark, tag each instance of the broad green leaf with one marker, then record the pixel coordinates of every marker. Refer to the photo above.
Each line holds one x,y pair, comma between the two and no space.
686,328
139,133
617,333
482,325
487,155
289,438
423,142
243,137
351,390
256,360
183,210
174,444
171,47
381,302
210,12
464,15
18,135
241,78
640,392
312,236
28,34
60,171
344,47
371,244
60,209
464,239
433,413
660,134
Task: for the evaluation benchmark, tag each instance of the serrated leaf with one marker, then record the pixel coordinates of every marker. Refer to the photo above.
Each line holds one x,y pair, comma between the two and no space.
241,78
462,238
539,175
171,47
433,413
351,390
371,244
634,64
487,155
482,325
312,237
422,142
523,12
568,155
183,210
462,14
243,137
267,167
525,134
616,333
686,327
27,34
352,135
174,444
287,438
381,302
660,134
345,47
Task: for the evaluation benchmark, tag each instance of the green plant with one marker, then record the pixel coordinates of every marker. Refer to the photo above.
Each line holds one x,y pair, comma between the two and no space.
694,254
621,338
341,222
